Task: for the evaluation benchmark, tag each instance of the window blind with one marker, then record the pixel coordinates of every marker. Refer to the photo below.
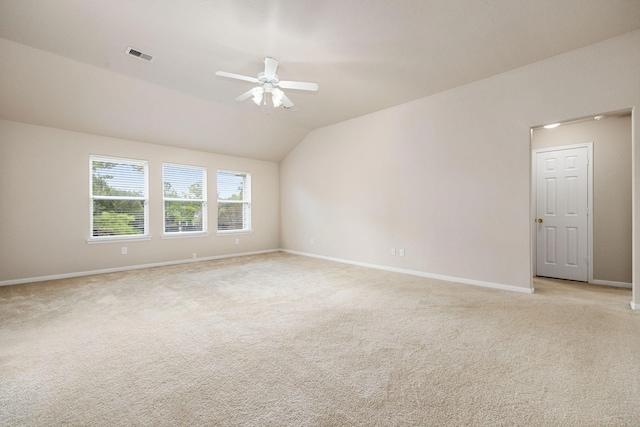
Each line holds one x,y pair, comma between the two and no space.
184,198
119,193
234,201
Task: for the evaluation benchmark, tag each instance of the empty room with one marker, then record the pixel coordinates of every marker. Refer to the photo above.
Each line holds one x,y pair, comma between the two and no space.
319,213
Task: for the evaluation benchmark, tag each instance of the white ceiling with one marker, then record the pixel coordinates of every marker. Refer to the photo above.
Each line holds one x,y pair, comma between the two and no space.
366,55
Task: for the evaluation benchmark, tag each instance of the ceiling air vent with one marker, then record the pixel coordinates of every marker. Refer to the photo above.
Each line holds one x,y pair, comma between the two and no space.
131,51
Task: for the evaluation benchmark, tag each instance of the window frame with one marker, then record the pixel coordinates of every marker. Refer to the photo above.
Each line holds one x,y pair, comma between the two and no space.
247,214
145,199
202,200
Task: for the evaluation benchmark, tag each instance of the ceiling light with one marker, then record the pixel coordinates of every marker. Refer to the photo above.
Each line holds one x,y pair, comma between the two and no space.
276,97
257,95
555,125
599,117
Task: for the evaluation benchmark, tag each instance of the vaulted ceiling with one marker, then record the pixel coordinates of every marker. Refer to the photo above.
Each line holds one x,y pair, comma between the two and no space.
63,62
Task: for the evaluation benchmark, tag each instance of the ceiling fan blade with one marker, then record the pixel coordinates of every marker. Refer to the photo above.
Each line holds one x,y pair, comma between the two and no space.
286,102
248,94
236,76
270,67
285,84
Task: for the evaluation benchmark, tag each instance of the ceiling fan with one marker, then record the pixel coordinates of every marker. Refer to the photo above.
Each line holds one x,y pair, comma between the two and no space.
268,82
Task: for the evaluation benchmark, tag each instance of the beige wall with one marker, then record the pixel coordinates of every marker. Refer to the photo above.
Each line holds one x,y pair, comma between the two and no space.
44,204
611,139
447,177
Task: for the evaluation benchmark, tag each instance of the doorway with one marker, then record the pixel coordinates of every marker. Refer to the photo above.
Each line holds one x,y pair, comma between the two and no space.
610,213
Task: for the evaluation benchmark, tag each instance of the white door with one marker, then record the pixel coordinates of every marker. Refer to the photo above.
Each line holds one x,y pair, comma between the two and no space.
562,216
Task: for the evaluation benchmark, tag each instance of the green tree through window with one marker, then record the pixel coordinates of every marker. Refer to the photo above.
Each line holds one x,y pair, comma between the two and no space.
234,201
184,198
118,197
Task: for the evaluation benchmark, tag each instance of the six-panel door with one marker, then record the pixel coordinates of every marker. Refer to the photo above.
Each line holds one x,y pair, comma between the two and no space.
562,214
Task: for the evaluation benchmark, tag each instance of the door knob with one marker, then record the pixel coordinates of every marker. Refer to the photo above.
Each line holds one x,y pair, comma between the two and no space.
540,221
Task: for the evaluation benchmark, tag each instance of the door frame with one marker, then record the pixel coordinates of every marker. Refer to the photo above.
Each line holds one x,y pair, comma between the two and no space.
534,201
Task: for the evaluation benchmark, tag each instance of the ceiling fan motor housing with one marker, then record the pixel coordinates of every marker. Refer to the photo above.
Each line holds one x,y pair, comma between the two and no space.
267,84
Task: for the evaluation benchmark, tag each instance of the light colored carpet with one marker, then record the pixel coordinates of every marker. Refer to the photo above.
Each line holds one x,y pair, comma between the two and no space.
284,340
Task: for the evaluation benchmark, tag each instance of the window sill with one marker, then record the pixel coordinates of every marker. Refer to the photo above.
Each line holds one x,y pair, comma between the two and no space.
233,232
184,235
117,239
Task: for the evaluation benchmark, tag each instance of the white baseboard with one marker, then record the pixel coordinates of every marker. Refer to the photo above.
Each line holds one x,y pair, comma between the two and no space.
611,283
420,273
128,268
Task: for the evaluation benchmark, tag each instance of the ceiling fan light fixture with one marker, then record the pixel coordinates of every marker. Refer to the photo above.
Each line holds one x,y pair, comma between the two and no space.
269,82
257,95
276,96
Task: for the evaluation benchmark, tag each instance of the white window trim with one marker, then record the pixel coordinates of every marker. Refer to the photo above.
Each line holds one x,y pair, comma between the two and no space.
228,232
205,207
249,229
117,239
185,234
145,199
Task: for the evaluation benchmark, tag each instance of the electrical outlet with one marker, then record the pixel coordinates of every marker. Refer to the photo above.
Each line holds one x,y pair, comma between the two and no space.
124,250
194,255
237,241
393,251
311,241
401,252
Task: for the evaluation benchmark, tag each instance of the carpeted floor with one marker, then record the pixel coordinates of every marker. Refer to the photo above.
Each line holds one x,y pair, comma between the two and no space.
284,340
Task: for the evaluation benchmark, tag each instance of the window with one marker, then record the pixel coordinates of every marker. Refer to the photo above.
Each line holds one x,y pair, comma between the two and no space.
234,201
185,198
119,197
